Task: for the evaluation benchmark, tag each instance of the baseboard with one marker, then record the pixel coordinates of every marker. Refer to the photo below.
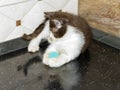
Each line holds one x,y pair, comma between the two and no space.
17,44
12,45
105,38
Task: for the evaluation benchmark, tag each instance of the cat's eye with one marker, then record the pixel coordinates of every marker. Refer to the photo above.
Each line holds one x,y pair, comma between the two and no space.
57,23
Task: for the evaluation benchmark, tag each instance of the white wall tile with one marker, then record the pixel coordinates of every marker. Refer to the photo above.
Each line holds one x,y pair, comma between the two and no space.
58,4
36,15
71,7
33,18
18,32
8,2
17,11
31,14
6,27
45,7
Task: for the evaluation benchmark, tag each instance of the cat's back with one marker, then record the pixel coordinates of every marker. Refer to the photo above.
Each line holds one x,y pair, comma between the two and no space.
73,20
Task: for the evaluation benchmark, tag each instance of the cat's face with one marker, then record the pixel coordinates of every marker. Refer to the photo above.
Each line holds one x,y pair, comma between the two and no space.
58,25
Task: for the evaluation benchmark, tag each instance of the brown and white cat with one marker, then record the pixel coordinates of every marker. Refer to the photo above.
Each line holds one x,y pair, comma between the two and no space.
67,34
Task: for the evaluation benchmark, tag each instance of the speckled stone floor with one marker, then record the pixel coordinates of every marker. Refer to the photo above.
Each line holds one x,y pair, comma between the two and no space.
96,69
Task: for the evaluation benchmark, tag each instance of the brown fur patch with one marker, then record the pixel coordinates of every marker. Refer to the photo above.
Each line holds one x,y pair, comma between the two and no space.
61,31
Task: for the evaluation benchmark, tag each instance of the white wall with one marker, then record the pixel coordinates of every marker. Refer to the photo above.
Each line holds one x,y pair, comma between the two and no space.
30,13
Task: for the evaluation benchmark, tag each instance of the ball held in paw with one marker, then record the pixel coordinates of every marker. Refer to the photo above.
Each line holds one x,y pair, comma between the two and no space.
53,55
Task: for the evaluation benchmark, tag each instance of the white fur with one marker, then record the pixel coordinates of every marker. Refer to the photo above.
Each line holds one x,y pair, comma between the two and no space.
34,43
57,23
69,46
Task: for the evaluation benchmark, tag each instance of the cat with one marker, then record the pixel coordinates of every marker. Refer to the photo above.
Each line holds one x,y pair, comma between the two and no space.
68,34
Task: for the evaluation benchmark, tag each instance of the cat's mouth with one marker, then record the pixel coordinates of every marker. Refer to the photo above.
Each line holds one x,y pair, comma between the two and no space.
54,30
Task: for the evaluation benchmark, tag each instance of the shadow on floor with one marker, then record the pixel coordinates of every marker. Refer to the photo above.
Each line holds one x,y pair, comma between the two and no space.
96,69
66,77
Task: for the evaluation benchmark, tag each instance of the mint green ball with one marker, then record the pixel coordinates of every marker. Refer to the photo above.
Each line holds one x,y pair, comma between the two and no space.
53,55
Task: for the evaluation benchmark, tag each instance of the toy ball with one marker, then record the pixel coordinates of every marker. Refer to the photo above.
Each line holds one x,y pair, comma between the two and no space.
53,55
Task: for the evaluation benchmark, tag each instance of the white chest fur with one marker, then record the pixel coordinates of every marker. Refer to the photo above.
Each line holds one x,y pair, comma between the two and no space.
71,34
69,46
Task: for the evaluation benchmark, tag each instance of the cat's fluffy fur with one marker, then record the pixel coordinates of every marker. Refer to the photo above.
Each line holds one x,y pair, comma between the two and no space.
67,34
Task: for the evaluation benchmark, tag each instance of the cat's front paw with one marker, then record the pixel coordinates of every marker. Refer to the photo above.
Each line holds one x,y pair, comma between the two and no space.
32,47
53,62
45,59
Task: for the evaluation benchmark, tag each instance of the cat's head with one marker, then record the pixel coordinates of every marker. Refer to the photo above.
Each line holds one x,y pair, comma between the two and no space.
58,23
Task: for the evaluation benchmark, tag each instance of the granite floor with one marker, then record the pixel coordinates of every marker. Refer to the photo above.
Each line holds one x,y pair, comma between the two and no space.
97,69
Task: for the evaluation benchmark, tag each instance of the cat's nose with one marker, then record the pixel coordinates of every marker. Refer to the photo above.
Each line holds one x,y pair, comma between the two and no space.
54,30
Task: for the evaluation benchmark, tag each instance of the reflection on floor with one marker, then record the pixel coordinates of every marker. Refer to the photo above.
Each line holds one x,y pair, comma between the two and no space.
97,69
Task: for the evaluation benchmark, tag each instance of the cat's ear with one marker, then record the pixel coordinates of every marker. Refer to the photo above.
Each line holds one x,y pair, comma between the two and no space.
48,14
59,10
65,20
